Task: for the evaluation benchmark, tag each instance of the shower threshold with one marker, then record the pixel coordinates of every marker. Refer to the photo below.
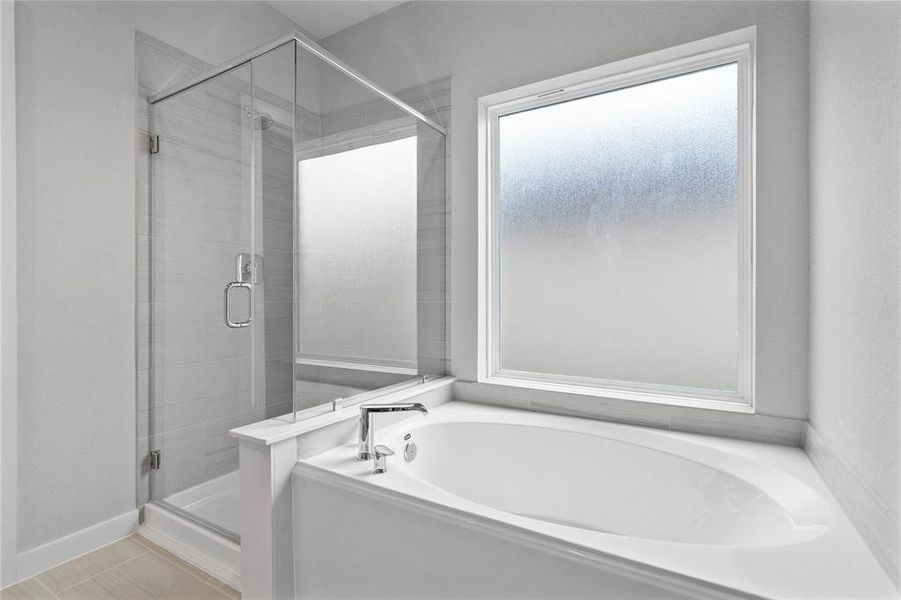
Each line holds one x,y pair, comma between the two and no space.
200,525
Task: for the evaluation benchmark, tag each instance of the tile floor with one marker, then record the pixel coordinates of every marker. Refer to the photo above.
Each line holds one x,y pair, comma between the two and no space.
133,568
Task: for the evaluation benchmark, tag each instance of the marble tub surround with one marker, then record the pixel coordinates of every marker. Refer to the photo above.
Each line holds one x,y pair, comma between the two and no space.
133,567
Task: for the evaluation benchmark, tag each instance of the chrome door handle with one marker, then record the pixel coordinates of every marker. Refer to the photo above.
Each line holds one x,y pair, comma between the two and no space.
228,288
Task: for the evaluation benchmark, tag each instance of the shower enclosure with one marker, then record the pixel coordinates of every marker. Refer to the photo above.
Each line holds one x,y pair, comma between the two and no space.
291,260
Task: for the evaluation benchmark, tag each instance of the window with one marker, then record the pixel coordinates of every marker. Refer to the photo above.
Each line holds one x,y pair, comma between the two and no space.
357,269
617,229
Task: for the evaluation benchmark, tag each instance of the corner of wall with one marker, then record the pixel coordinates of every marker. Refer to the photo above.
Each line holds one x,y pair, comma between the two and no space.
853,437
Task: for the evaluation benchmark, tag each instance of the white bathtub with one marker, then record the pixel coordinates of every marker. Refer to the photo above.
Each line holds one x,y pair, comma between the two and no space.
506,503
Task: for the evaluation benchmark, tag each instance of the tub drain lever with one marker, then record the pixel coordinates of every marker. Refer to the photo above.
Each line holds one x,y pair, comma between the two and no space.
380,460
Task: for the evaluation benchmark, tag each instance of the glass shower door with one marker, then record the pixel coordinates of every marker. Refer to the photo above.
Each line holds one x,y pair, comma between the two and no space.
204,271
291,260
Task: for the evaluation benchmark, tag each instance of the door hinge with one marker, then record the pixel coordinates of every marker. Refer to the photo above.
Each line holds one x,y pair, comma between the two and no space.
155,460
154,144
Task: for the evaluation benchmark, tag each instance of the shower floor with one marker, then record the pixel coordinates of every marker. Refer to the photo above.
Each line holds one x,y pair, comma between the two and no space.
217,501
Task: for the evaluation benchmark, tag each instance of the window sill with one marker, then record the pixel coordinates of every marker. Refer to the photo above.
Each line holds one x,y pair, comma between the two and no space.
734,406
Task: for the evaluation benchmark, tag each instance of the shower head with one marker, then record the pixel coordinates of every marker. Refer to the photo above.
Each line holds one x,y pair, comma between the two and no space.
261,121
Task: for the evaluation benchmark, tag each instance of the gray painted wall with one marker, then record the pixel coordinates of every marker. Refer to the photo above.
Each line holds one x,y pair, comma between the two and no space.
855,153
8,324
492,46
76,150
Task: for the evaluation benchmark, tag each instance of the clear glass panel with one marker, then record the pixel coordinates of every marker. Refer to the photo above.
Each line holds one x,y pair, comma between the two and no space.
200,220
274,232
361,189
618,235
321,206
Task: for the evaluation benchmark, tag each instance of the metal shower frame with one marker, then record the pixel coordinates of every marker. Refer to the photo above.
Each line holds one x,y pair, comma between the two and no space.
314,49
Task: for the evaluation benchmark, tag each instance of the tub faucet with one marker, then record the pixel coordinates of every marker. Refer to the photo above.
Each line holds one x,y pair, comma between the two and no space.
367,435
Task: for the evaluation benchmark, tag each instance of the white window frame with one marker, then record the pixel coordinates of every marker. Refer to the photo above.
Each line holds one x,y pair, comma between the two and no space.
734,47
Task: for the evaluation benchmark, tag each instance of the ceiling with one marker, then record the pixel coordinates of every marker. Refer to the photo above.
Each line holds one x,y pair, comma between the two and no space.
323,18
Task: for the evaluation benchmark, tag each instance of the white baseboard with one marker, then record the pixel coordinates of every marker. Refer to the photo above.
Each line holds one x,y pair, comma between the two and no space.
193,544
873,521
37,560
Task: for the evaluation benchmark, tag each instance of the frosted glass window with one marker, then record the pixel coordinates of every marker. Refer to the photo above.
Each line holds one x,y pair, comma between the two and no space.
357,239
618,236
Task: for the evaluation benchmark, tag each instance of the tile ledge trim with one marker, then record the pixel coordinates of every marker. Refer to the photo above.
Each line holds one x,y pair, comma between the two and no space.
272,431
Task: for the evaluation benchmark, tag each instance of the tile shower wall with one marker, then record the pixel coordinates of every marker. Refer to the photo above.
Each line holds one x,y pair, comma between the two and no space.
199,372
432,232
278,268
